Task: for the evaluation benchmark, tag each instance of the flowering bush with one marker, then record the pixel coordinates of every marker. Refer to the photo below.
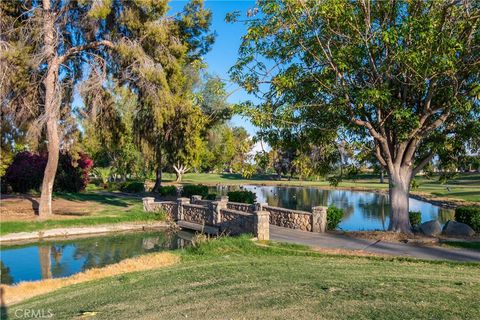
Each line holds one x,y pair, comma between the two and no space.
72,176
25,173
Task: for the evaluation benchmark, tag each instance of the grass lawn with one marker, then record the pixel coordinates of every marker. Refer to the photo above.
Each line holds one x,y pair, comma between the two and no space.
234,278
465,186
462,244
106,209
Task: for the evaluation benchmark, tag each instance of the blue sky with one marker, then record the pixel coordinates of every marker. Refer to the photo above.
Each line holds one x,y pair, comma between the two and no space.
224,51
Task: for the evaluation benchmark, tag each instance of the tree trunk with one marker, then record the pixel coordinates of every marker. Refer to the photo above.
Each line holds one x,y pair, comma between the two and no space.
158,174
52,112
382,176
399,188
180,169
158,179
178,174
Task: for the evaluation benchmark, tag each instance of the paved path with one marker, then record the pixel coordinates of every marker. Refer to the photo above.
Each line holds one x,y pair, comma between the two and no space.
337,241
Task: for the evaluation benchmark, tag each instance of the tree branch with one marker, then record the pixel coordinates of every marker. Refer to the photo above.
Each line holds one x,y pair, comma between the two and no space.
423,163
78,49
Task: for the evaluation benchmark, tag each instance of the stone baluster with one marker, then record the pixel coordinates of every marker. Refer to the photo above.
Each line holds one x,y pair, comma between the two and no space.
215,207
259,206
196,199
319,219
262,225
180,203
148,203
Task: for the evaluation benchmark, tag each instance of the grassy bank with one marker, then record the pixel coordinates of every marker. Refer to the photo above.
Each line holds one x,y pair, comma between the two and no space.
104,209
464,187
234,278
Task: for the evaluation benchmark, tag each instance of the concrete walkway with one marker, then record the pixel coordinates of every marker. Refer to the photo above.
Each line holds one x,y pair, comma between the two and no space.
337,241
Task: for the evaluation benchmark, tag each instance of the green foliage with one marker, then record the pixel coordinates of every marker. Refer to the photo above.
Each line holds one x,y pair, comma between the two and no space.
211,196
335,180
248,170
168,191
104,174
242,196
334,217
402,81
194,190
132,186
415,218
114,186
445,176
470,216
414,185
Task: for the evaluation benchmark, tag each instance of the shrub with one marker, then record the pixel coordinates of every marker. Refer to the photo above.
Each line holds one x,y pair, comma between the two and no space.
168,191
334,217
415,218
25,173
470,216
103,173
72,175
194,190
211,196
114,186
132,186
242,196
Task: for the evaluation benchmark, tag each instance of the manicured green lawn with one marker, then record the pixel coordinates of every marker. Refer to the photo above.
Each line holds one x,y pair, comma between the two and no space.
465,186
461,244
233,278
111,209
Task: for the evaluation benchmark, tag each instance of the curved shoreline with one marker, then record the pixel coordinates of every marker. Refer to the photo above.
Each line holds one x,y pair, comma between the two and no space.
449,203
77,232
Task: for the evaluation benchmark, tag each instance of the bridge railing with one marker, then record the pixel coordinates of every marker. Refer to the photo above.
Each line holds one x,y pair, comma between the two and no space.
237,218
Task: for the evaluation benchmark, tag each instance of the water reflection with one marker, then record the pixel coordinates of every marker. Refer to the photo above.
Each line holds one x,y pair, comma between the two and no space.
363,210
55,259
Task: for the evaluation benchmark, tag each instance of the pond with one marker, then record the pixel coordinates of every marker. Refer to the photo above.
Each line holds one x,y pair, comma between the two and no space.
363,210
60,258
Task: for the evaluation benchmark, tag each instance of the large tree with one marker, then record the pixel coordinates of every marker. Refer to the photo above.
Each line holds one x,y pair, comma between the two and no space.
403,75
51,46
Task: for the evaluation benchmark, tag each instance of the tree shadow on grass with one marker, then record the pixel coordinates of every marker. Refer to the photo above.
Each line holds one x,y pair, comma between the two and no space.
100,198
236,176
35,204
457,193
3,306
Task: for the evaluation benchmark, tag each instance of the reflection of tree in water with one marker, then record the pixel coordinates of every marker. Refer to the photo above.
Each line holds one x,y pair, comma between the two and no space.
99,252
376,208
5,276
44,252
58,268
445,214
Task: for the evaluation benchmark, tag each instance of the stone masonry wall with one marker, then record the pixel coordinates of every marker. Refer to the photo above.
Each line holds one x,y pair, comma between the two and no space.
293,219
198,214
250,208
198,200
169,207
235,222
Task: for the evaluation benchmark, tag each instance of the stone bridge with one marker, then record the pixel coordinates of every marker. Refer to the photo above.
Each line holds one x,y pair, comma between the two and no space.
233,218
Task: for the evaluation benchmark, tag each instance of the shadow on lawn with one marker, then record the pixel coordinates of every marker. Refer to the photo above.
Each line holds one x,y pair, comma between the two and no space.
457,193
235,176
100,198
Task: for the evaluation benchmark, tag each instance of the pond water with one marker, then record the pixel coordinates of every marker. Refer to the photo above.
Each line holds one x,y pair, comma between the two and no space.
56,259
363,210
